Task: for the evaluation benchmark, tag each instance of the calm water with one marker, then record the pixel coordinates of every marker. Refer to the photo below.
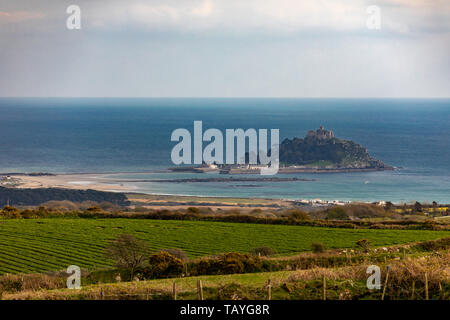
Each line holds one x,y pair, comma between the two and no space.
133,135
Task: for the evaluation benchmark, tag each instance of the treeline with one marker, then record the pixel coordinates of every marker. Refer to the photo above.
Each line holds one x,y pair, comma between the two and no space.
294,217
35,197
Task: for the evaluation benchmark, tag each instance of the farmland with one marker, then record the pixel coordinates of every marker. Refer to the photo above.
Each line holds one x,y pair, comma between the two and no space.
343,283
39,245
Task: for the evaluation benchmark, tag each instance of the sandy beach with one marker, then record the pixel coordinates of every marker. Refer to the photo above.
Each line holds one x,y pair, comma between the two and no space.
107,182
71,181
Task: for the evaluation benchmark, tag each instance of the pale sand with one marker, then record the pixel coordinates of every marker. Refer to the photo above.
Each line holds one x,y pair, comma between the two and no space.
72,181
105,182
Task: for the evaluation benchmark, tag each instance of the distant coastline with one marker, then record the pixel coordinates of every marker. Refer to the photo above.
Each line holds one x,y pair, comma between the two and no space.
282,170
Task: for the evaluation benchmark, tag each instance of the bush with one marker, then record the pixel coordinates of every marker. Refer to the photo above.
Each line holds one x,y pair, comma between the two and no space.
434,245
193,210
362,210
31,282
234,262
10,212
62,205
299,214
233,291
262,251
227,263
363,244
318,247
163,265
178,253
10,284
93,210
337,213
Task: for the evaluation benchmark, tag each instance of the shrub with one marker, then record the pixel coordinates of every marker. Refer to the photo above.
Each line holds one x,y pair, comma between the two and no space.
363,210
227,263
363,244
193,210
27,214
93,210
10,212
233,291
299,214
389,206
10,284
318,247
31,282
337,213
163,264
429,225
62,205
263,251
434,245
178,253
234,262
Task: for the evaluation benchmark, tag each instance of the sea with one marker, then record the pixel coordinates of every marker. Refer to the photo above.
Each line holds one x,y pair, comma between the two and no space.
130,139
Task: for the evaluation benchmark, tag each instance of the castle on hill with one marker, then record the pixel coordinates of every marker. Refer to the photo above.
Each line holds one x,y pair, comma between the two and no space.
320,134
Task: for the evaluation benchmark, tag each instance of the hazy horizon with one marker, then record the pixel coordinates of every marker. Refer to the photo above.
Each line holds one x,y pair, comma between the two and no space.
225,49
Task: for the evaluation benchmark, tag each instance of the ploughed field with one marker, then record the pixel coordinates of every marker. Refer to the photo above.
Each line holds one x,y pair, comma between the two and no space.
39,245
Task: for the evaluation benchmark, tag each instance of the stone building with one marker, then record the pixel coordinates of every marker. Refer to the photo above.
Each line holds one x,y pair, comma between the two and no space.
320,133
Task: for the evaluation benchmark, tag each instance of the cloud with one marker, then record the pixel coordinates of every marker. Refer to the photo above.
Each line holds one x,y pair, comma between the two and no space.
241,17
274,16
233,15
204,10
19,16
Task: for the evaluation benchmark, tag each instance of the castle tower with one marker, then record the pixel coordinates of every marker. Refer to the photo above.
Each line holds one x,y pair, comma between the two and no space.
320,133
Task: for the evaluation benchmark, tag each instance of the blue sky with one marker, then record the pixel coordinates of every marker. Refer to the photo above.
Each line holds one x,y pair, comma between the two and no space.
225,48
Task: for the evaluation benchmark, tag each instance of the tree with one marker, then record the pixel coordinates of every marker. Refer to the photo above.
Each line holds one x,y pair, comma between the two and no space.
417,207
128,252
389,206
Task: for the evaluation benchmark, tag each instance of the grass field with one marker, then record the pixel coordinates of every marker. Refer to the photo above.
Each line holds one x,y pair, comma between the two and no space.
38,245
349,282
187,285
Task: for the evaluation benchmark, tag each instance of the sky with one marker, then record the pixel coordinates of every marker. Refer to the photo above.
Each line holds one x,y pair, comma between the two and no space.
225,48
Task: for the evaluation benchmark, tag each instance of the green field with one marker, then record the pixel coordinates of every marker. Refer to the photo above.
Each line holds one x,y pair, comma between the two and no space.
38,245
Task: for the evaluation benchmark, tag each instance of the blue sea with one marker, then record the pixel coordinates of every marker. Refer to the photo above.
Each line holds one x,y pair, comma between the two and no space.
132,137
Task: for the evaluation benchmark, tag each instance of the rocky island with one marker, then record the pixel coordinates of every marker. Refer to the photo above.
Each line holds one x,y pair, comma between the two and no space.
321,151
318,152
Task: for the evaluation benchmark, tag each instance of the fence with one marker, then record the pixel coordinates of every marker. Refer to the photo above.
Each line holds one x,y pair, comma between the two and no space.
268,288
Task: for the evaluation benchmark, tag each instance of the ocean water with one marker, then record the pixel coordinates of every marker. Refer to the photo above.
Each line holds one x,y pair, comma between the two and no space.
132,137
